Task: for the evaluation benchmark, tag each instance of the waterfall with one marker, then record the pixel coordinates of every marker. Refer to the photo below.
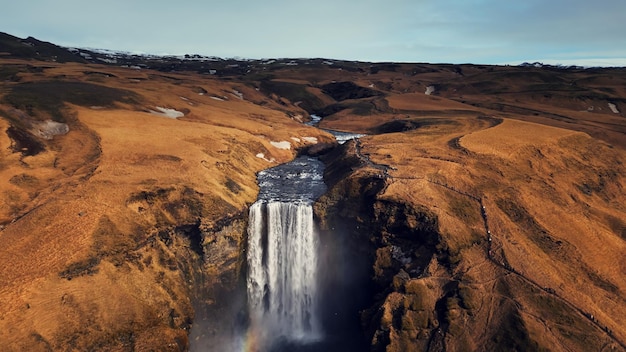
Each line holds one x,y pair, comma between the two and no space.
282,271
300,289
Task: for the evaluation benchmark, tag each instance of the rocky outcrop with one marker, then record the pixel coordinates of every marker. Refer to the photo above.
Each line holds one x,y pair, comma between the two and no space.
409,125
409,293
209,254
348,90
409,290
219,289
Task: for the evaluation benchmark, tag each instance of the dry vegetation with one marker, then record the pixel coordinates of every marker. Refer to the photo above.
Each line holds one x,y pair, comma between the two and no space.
87,217
546,193
81,211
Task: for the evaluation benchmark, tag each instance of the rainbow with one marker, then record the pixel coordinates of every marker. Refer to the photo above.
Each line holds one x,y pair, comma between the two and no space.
252,341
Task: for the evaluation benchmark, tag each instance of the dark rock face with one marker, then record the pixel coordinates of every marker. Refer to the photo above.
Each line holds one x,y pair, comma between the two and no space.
409,125
24,142
343,214
50,97
391,244
294,92
384,66
219,295
35,49
347,90
318,149
330,109
403,282
409,234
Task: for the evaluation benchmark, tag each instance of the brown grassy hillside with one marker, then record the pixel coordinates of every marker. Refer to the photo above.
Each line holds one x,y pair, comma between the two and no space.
116,219
549,246
85,214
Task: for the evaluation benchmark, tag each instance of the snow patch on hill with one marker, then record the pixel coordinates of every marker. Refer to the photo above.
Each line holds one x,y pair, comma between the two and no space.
237,94
262,156
165,112
48,129
281,145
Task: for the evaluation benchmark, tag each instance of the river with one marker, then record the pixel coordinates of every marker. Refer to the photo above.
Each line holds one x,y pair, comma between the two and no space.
340,136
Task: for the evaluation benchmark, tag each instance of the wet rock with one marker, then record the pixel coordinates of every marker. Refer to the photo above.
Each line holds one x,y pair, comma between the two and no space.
398,239
319,149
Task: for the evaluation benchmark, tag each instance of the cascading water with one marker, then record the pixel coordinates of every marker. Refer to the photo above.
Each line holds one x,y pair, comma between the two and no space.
283,250
282,271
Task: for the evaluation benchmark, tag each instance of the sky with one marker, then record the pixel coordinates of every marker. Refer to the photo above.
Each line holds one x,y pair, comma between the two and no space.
568,32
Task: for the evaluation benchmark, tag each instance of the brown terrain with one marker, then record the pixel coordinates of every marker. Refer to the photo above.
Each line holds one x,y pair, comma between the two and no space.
491,212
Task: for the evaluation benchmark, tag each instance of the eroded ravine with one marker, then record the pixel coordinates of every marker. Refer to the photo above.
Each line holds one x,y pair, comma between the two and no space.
298,279
320,259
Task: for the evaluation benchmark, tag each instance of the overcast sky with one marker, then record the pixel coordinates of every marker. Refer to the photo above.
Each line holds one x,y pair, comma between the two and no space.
451,31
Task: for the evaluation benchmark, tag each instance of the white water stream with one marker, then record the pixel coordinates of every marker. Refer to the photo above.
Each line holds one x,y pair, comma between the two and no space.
282,271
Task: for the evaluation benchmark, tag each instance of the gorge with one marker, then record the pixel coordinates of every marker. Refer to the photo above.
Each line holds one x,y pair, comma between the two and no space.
488,214
298,279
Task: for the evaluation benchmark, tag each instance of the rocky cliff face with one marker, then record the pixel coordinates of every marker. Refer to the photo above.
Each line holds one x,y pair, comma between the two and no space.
138,290
421,292
403,305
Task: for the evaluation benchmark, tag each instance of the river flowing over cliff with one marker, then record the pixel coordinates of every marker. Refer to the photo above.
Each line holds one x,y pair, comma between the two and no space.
283,251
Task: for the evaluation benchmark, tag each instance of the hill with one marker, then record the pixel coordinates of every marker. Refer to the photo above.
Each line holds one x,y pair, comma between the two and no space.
488,201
